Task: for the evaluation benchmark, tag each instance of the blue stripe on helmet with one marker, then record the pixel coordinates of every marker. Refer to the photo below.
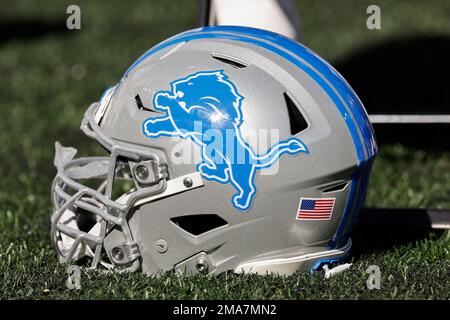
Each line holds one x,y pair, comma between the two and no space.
324,68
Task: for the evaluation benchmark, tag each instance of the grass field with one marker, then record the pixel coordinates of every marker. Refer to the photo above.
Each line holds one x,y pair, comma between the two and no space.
49,75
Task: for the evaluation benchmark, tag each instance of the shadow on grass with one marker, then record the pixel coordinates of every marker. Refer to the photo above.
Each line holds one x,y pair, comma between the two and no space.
380,230
404,76
29,29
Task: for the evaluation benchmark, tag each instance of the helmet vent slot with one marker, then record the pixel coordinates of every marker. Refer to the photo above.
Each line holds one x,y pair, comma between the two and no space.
337,187
140,105
229,60
296,120
199,223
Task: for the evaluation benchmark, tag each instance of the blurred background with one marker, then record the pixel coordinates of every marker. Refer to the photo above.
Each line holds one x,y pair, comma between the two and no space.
49,76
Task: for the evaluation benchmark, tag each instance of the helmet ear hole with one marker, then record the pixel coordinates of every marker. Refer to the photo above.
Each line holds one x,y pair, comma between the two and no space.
199,224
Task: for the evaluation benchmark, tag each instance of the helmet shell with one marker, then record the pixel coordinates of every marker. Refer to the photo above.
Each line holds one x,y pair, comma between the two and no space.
265,68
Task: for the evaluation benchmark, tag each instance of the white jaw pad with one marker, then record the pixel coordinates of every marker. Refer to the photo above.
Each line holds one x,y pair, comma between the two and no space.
287,266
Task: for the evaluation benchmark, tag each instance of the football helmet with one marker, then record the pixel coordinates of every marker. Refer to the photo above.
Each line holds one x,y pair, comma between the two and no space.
229,148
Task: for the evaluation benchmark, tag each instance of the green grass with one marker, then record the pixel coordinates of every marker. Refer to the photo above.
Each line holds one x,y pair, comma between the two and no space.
47,81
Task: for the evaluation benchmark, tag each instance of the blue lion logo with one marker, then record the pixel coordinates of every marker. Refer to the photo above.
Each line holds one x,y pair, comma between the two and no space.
205,107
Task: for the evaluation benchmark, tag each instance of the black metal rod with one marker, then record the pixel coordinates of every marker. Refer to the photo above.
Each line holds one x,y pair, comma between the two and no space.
409,118
204,12
406,218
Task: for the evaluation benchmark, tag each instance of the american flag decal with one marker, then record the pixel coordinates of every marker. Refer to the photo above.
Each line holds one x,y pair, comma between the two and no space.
315,208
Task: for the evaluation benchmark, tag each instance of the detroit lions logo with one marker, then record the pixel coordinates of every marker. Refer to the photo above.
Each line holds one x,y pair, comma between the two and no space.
205,107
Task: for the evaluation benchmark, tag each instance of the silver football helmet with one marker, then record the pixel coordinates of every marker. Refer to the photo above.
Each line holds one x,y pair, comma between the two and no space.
229,148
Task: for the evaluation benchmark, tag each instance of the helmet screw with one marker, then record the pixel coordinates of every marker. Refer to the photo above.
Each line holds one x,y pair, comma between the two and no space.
161,245
141,172
188,183
117,254
202,265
